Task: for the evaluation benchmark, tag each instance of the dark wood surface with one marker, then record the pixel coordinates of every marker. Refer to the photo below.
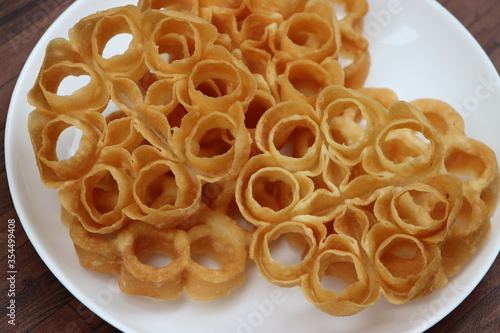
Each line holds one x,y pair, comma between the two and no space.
44,305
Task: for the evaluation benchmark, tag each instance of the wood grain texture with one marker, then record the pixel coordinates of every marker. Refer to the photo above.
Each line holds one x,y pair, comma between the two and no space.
44,305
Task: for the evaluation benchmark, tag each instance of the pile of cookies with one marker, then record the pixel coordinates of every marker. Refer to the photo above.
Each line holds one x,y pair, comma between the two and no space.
229,125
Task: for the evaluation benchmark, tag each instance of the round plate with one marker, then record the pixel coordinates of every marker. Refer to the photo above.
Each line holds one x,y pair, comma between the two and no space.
433,57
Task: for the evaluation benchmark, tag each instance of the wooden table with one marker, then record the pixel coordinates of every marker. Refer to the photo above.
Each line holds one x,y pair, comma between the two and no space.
44,305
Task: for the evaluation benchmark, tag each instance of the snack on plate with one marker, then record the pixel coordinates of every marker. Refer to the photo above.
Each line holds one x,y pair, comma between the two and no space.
220,112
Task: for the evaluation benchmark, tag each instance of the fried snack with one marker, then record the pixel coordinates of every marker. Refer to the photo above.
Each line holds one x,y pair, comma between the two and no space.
284,8
101,28
266,193
442,116
100,198
384,96
466,235
215,235
340,257
424,210
407,145
290,133
122,131
306,79
45,128
405,266
255,111
311,34
472,158
476,165
216,145
95,251
164,192
257,31
216,82
272,269
354,44
188,6
350,121
176,41
354,220
393,193
60,62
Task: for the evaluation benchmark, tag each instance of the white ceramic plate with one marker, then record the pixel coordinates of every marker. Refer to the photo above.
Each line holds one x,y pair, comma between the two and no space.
418,49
